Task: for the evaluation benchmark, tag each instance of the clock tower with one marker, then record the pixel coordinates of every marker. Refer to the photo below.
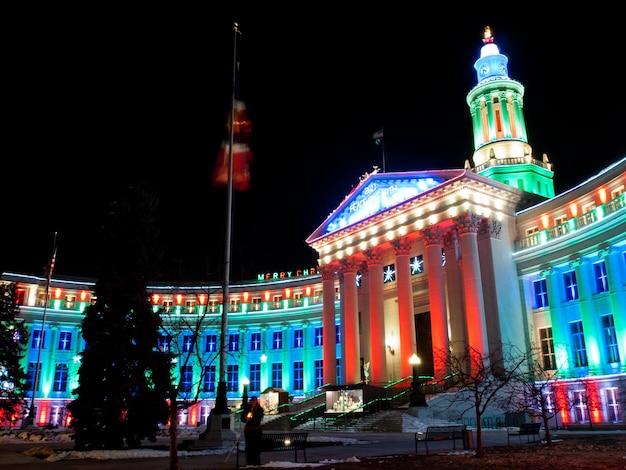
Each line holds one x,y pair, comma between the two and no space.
501,148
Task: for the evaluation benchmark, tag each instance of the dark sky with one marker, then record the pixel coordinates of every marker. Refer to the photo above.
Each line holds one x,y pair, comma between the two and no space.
96,96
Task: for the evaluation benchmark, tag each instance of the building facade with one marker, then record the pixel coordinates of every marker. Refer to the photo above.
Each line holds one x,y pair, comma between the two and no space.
413,262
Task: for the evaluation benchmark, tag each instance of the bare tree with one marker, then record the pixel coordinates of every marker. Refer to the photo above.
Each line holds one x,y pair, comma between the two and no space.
484,380
538,392
182,335
585,397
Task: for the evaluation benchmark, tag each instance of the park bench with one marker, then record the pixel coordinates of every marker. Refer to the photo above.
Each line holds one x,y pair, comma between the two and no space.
447,432
524,429
276,441
273,441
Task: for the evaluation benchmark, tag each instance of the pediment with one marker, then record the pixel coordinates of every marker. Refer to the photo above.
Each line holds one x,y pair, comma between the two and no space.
379,192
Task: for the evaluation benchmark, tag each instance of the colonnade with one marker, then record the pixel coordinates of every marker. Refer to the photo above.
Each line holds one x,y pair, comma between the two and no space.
459,235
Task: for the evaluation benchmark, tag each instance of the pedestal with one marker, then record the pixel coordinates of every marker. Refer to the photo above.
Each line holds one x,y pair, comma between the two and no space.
220,432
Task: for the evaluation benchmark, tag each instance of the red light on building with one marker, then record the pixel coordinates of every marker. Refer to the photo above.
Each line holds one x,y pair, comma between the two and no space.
545,221
602,194
307,291
288,293
246,296
267,295
155,299
57,293
202,299
179,299
83,295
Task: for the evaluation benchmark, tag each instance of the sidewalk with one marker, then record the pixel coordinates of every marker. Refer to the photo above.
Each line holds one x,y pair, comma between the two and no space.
324,447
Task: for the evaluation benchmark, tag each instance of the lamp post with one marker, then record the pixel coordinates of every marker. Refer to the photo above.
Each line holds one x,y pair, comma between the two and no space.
244,400
417,396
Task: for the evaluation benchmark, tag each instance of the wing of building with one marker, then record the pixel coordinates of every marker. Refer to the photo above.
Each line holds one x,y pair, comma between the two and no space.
415,262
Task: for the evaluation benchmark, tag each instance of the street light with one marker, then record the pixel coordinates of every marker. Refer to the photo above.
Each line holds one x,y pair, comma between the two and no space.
417,396
244,400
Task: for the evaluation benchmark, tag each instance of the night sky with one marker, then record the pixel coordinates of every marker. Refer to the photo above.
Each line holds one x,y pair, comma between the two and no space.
95,96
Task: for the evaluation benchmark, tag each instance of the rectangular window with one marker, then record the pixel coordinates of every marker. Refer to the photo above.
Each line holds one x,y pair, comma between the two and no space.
602,279
532,231
578,344
255,341
30,376
163,343
232,378
338,371
579,400
256,303
210,344
319,336
550,401
213,306
588,207
65,341
560,220
190,305
298,339
60,378
547,348
571,287
187,343
277,374
298,375
610,338
540,294
338,333
233,343
255,378
277,341
186,378
319,373
614,411
209,379
39,340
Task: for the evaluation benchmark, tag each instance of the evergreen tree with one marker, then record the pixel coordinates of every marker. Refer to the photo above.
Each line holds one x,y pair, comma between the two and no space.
13,341
124,379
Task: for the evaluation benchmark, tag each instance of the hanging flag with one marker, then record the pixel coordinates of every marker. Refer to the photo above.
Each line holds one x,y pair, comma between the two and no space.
241,152
377,136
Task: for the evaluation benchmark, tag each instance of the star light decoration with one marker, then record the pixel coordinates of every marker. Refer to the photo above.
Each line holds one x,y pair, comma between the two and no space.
389,274
417,264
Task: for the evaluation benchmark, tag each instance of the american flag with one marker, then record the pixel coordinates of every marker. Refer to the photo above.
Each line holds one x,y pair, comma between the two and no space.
241,152
52,260
377,136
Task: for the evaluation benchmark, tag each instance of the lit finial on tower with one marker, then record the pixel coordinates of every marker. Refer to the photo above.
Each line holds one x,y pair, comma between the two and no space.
487,35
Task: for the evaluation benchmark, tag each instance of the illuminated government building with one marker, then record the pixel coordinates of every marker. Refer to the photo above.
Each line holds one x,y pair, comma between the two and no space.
409,263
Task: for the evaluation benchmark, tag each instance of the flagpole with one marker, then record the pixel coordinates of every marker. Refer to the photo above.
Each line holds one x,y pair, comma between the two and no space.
31,414
220,428
379,139
221,401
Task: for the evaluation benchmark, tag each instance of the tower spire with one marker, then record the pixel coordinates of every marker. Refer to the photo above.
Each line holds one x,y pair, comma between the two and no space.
501,148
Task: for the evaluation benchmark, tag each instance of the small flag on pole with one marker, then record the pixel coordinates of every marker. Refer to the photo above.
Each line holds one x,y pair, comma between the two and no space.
50,267
378,137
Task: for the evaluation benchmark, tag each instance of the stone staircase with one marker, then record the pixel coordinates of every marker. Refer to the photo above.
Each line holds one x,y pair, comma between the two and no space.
396,420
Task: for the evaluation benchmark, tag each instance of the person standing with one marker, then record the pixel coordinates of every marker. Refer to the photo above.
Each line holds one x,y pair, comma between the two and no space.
252,415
